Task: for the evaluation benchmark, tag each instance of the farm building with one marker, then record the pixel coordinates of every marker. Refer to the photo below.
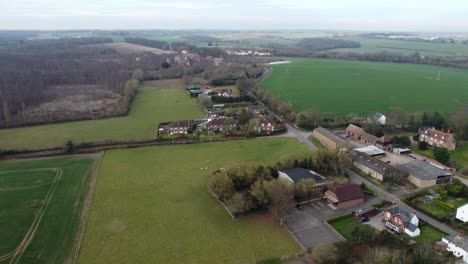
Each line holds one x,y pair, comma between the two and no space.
423,174
462,213
385,143
368,139
297,174
354,131
371,151
401,222
344,196
437,138
329,139
373,167
176,127
458,245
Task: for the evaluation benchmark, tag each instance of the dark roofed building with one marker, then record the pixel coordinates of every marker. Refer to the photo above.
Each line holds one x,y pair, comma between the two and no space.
297,174
345,196
373,167
369,139
329,139
180,127
220,124
423,174
458,245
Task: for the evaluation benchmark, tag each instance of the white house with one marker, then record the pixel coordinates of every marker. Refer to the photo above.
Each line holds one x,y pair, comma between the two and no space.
377,118
458,245
462,213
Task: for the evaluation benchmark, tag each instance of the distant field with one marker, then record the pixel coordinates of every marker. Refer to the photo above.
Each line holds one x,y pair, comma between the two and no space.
407,47
40,208
152,206
150,107
343,87
129,48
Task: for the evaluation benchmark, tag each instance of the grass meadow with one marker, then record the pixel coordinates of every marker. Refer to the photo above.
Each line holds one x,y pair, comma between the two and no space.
339,88
150,107
41,201
152,206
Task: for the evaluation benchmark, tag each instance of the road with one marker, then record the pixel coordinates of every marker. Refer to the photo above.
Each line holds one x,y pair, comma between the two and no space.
356,178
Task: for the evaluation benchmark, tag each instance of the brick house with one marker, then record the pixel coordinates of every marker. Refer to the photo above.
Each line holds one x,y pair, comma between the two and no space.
354,131
181,127
344,196
401,222
437,138
220,124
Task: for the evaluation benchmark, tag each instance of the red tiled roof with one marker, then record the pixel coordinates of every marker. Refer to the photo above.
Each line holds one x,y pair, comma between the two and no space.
348,192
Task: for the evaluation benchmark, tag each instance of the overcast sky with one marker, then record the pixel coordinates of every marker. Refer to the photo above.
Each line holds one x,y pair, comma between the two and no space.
391,15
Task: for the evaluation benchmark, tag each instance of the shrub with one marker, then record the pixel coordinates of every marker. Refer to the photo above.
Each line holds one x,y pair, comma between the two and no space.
464,171
422,145
442,155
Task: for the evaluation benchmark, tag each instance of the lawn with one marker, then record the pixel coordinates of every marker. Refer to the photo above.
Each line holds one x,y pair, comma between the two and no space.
316,142
339,88
346,226
435,209
152,206
150,107
47,196
429,234
460,154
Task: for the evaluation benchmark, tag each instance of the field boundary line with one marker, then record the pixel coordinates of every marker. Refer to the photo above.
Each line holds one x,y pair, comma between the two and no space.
73,257
18,252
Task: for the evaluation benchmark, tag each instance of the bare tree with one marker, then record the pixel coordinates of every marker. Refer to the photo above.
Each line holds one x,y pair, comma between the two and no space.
325,253
280,196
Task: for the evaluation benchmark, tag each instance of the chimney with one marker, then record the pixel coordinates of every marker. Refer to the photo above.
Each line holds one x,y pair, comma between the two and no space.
461,233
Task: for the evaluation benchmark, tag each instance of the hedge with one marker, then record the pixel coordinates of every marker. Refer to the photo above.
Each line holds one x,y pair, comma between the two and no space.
339,218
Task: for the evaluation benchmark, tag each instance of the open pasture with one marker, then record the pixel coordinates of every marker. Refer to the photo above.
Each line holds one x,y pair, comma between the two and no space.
339,88
150,107
41,206
152,205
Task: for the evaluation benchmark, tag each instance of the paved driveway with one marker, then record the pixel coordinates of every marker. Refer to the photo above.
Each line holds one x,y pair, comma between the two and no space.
308,226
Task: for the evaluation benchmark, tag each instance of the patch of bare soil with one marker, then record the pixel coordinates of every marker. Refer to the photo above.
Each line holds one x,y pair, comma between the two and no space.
163,84
128,48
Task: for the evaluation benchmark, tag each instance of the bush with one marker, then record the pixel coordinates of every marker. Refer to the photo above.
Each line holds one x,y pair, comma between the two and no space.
422,145
464,171
442,155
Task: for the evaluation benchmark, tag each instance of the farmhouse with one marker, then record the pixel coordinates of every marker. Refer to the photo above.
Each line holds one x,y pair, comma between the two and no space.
329,139
373,167
377,118
401,222
176,127
462,213
354,131
221,124
423,174
458,245
297,174
345,196
437,138
267,124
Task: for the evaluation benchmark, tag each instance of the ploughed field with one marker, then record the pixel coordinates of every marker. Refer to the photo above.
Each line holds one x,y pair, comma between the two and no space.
152,205
339,88
152,105
41,203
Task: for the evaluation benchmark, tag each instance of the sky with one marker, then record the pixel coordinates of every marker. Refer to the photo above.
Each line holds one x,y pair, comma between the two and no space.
364,15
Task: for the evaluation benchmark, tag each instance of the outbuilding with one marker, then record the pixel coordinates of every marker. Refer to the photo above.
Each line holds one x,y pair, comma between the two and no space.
424,174
344,196
330,140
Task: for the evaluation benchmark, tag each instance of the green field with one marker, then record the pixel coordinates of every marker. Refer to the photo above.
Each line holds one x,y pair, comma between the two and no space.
429,234
372,45
41,204
148,109
152,206
343,87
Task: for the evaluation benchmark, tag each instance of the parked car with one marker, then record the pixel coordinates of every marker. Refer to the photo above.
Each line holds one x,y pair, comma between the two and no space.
300,207
364,219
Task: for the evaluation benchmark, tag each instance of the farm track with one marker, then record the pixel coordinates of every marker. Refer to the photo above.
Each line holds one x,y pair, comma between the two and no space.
16,254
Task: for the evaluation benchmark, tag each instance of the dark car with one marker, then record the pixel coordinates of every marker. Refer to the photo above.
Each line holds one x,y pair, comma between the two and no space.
300,207
364,219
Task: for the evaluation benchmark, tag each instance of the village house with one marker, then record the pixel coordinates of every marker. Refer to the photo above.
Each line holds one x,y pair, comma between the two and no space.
221,124
225,92
462,213
354,132
437,138
423,174
329,139
297,174
344,196
401,222
373,167
458,245
175,128
377,118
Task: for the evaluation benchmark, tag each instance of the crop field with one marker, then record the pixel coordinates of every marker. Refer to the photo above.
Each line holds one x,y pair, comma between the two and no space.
150,107
41,204
372,45
339,88
152,205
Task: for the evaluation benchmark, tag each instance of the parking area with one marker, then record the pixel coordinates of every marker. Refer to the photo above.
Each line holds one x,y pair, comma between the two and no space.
376,222
308,226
